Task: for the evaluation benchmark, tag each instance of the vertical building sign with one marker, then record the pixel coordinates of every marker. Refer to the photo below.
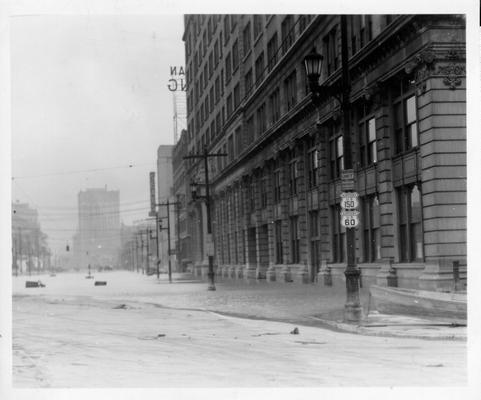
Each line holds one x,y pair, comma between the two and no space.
152,194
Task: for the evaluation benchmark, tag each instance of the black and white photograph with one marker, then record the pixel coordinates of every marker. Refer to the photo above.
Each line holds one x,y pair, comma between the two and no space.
211,201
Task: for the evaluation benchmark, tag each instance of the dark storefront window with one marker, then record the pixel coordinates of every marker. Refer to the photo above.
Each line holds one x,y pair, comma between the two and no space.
410,224
338,236
371,229
294,231
278,235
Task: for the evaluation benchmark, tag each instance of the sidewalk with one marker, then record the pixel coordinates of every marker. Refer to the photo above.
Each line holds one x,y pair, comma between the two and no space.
312,305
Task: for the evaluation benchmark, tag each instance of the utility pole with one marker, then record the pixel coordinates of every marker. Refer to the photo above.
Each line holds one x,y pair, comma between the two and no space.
168,204
20,247
157,232
177,246
210,243
147,237
142,263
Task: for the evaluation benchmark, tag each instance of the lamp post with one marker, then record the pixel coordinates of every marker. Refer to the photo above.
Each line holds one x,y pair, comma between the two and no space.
313,65
205,156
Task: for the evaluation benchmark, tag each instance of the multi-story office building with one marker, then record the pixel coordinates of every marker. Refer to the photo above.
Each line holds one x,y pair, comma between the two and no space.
181,190
164,195
30,252
98,240
276,196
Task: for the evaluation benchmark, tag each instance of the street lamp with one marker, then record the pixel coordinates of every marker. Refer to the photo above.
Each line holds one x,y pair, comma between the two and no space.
313,65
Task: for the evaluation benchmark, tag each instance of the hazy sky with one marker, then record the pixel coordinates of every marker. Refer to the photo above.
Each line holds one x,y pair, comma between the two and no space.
89,93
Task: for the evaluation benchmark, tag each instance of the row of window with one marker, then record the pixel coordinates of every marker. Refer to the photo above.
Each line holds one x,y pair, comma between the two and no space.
231,64
409,227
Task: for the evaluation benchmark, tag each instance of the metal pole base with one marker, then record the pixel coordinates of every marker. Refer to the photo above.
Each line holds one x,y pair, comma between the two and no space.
352,313
352,308
211,287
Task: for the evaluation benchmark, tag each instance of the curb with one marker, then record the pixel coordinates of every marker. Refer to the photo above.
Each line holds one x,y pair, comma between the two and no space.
361,330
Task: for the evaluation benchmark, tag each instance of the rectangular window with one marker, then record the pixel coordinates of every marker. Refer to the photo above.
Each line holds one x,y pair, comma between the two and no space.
290,90
250,131
314,223
302,23
278,235
226,28
217,123
287,33
247,38
293,177
217,89
230,148
272,49
275,106
313,165
338,236
229,105
405,119
294,225
228,68
239,146
259,68
235,55
277,186
410,224
336,152
261,119
371,229
211,64
216,52
237,98
211,99
330,51
263,191
257,25
367,139
249,82
212,130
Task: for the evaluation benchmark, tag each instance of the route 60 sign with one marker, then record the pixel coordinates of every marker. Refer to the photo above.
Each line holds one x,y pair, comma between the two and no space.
350,219
349,200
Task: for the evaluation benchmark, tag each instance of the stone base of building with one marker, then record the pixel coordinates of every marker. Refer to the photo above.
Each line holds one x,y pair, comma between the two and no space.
261,272
439,276
250,272
271,273
239,271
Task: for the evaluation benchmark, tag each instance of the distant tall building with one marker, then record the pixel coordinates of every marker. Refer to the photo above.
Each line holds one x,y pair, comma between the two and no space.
99,227
165,192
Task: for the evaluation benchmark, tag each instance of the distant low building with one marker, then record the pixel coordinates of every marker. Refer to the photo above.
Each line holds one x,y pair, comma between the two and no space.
30,252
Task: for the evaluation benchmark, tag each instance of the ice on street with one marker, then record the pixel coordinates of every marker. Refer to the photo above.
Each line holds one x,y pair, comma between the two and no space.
137,332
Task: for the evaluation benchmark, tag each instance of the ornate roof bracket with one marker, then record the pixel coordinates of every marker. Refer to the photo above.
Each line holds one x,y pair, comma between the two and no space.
422,66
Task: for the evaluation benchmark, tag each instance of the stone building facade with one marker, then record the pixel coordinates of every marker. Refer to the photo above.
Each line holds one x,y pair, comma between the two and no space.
276,195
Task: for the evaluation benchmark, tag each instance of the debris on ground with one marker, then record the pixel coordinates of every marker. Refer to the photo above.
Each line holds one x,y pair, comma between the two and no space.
295,331
121,307
32,284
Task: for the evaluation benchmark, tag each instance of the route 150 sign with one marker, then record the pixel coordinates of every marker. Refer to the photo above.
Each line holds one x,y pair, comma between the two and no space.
349,200
349,219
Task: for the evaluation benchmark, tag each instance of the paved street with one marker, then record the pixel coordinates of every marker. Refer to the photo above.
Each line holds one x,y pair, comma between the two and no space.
136,332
